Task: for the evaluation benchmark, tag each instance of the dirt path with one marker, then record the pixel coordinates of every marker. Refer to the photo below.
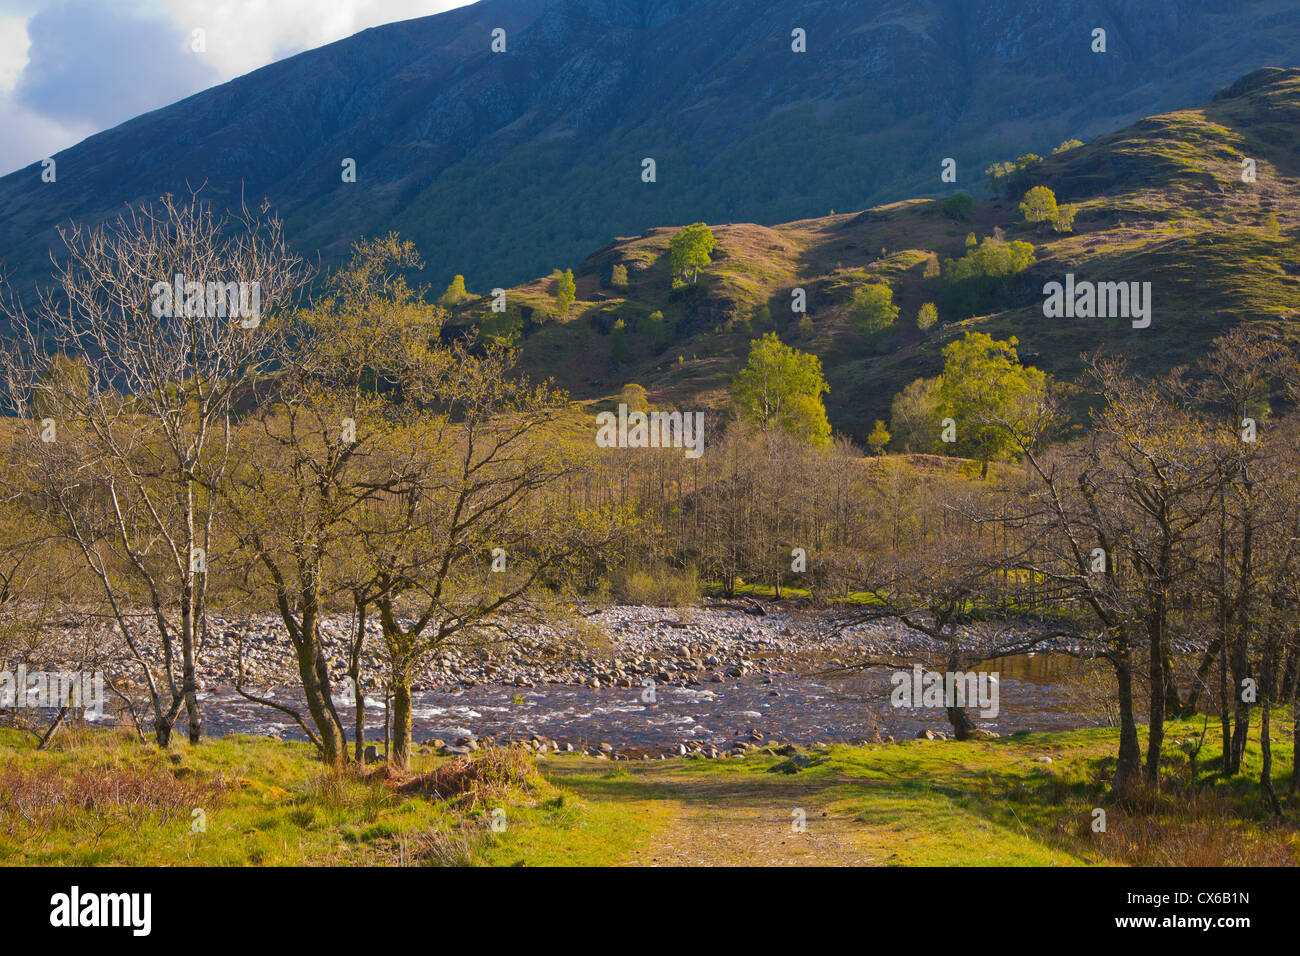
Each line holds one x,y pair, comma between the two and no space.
741,821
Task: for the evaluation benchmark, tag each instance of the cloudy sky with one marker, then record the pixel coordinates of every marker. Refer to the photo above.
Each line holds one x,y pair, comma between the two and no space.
70,68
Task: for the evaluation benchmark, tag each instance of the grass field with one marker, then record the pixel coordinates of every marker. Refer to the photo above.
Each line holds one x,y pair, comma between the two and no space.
98,798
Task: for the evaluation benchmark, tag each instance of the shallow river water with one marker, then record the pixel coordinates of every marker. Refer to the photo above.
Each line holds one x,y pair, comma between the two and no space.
794,708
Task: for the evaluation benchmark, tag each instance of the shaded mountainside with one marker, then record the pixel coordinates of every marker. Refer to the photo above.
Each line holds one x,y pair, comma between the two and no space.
502,166
1160,201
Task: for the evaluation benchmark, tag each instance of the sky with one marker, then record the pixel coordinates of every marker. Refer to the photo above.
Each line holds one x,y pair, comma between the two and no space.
71,68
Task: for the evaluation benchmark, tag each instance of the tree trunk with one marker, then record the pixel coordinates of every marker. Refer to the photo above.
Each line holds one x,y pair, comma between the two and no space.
1156,725
316,692
188,684
1266,744
358,695
1128,766
1202,679
963,728
399,757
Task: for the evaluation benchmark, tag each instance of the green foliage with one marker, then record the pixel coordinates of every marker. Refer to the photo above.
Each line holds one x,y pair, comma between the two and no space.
1002,175
565,292
978,279
654,326
456,292
1068,144
618,342
927,316
618,276
913,416
1038,205
989,395
873,308
689,252
878,438
634,397
959,206
1063,221
781,387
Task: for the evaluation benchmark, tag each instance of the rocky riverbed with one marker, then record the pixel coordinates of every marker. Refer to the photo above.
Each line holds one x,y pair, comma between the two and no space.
619,681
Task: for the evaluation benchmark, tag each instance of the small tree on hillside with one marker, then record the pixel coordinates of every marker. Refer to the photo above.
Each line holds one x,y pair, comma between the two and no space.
1039,205
927,316
456,292
878,438
566,292
689,251
873,308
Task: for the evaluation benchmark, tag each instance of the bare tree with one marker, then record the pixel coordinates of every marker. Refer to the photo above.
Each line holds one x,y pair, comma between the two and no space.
169,311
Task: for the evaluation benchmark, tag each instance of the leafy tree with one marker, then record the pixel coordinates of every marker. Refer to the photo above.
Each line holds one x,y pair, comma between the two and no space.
878,438
913,416
781,387
689,252
456,292
618,342
1068,144
655,327
565,292
927,316
977,280
618,276
989,395
959,206
1063,221
1001,175
635,397
1039,205
873,308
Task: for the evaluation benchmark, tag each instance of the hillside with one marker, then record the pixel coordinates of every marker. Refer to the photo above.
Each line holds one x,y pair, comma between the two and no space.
1160,201
502,166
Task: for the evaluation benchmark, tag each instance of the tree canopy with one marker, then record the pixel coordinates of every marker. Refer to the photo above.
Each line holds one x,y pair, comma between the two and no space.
781,387
689,252
989,395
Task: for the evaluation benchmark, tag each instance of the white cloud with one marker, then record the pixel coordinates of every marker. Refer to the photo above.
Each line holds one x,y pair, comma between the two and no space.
29,137
14,43
241,36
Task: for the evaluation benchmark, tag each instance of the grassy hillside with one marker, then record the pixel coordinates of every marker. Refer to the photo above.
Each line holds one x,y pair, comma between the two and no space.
1161,201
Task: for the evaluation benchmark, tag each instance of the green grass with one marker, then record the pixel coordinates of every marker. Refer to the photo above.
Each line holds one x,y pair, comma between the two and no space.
916,803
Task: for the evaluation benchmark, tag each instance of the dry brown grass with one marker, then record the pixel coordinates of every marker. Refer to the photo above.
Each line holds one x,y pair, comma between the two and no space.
42,798
476,779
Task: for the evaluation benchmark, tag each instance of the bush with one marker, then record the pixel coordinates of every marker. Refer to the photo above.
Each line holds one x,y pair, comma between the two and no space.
873,308
959,206
477,779
927,316
661,584
1039,205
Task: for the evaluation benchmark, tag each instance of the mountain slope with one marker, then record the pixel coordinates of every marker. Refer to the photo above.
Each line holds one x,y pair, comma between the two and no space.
503,165
1161,201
